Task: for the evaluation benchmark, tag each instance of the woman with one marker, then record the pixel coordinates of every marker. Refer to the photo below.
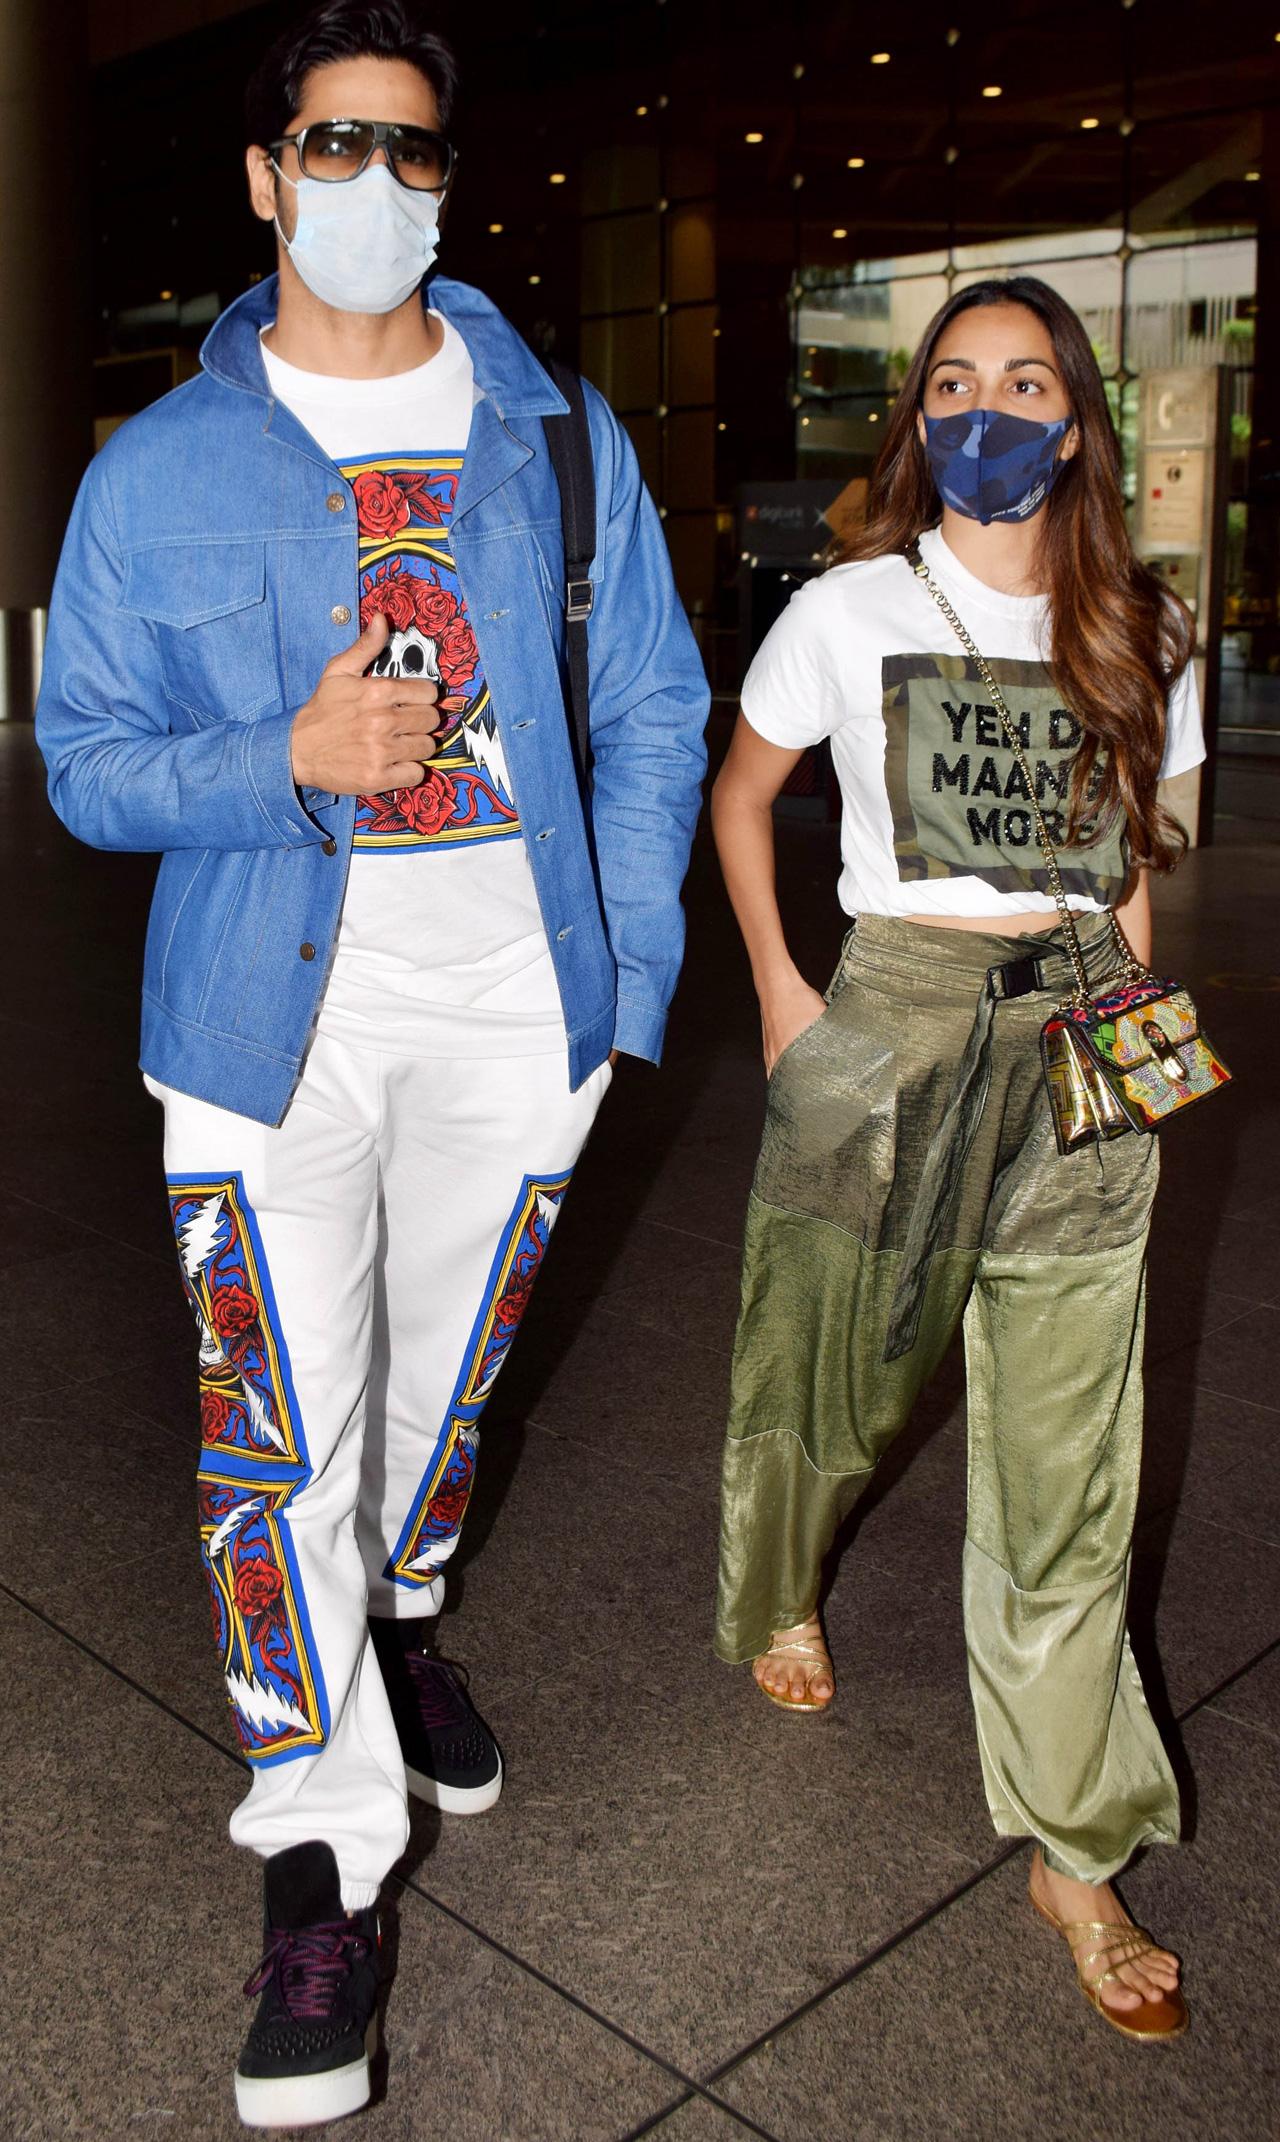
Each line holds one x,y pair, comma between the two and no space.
909,1177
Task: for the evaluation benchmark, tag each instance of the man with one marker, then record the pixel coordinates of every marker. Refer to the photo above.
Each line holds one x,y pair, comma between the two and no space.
389,958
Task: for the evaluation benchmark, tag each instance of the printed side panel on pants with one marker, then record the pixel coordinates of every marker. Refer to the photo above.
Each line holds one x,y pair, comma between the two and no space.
431,1528
254,1461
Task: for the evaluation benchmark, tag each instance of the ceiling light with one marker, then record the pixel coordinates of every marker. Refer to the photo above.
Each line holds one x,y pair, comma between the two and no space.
496,230
166,297
753,137
1253,174
839,231
993,89
642,111
873,416
535,278
722,427
856,163
881,59
557,178
1088,123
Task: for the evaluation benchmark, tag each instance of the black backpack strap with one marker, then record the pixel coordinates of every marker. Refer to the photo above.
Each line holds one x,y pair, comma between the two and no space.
569,445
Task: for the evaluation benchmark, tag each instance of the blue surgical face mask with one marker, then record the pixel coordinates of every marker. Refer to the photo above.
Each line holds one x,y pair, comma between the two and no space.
362,244
993,467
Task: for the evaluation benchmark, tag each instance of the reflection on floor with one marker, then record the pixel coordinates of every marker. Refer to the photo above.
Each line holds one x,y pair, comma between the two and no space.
690,1915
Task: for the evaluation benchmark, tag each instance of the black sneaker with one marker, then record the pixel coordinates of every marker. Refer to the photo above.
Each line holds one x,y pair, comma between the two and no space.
306,2058
451,1759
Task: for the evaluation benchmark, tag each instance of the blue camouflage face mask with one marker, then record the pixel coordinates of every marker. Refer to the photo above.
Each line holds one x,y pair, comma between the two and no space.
993,467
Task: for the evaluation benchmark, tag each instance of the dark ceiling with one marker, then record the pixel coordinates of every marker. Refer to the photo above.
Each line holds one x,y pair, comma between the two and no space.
1185,96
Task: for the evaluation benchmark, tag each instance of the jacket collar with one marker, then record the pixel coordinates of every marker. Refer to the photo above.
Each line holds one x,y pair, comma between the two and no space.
506,370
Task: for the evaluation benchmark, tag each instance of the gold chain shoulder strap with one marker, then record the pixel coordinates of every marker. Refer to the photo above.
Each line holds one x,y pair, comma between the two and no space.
1133,969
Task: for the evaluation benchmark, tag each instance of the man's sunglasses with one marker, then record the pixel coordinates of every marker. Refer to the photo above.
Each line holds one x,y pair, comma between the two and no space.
338,149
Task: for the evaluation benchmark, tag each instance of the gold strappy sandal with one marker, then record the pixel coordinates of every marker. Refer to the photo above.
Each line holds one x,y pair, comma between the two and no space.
1151,2020
794,1644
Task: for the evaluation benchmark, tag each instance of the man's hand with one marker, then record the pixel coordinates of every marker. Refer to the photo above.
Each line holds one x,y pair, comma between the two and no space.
359,735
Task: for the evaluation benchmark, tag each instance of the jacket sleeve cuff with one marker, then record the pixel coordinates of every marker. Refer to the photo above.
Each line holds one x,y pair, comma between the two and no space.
638,1030
268,765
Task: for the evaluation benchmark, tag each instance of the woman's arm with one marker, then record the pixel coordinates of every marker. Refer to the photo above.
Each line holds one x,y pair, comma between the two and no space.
742,821
1134,916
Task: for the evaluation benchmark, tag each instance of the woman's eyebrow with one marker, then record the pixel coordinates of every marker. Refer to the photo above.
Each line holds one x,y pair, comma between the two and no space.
966,364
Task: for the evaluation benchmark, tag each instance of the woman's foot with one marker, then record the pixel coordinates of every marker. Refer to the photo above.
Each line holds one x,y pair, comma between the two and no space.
796,1669
1138,1991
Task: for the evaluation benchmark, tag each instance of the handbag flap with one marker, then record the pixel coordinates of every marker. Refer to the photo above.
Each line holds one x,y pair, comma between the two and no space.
1135,1033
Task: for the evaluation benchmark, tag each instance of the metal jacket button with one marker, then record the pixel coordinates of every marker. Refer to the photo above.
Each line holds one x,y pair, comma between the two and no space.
329,847
336,502
306,951
340,614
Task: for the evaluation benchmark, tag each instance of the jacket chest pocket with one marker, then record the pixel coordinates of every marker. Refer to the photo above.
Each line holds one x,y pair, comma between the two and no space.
207,603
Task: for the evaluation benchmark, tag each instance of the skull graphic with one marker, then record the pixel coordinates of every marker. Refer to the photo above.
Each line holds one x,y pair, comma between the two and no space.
409,654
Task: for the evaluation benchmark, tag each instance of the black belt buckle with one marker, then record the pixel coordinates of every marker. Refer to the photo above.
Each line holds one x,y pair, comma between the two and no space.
1017,977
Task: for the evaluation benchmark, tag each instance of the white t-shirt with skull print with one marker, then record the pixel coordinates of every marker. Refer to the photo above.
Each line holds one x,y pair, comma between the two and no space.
441,949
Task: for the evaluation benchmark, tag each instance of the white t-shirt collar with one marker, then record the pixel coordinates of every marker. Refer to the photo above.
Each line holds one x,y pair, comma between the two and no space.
969,592
290,384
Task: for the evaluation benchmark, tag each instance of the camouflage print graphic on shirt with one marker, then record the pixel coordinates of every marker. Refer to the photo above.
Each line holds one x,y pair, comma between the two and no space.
960,801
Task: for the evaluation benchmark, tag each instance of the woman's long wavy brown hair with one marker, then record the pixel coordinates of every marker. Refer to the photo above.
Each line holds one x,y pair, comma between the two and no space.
1118,639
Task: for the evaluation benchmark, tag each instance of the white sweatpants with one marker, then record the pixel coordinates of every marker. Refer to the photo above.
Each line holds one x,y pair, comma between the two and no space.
358,1274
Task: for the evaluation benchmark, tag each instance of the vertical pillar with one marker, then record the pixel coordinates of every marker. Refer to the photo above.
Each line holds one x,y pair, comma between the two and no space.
1262,541
45,377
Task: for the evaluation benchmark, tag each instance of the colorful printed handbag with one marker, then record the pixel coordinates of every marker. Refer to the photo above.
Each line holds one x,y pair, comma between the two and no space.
1134,1055
1127,1059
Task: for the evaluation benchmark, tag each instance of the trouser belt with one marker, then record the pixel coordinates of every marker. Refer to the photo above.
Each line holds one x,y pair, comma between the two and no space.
951,1142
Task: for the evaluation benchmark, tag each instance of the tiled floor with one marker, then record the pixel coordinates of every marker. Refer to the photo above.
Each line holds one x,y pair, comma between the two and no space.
688,1916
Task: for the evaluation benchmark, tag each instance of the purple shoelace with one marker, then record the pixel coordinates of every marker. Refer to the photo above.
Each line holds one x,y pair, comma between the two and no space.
310,1963
436,1687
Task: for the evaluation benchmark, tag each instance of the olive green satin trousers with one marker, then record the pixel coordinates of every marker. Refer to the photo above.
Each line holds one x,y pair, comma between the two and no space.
1041,1257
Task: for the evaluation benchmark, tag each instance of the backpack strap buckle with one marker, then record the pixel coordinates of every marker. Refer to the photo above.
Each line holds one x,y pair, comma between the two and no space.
580,599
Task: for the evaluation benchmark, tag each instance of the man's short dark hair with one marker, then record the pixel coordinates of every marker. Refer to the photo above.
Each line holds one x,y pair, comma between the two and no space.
337,30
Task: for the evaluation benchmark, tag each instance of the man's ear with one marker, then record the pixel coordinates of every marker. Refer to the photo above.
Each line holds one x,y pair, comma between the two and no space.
262,183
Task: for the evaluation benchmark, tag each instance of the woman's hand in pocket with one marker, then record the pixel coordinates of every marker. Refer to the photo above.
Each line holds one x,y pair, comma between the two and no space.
784,1016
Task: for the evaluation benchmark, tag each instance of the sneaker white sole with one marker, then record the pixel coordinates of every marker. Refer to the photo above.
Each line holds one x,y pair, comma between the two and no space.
454,1799
306,2100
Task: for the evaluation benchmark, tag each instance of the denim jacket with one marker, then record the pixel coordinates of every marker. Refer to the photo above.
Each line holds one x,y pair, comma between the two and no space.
209,573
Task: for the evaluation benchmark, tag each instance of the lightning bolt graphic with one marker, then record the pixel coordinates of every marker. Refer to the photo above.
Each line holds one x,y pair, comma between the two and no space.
481,732
263,1706
439,1551
224,1533
548,1210
259,1416
198,1236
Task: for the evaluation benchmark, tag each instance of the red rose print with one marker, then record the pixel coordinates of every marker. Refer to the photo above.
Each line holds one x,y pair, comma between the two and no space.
234,1310
395,598
457,654
514,1302
258,1586
421,489
380,504
448,1509
215,1416
428,808
434,607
